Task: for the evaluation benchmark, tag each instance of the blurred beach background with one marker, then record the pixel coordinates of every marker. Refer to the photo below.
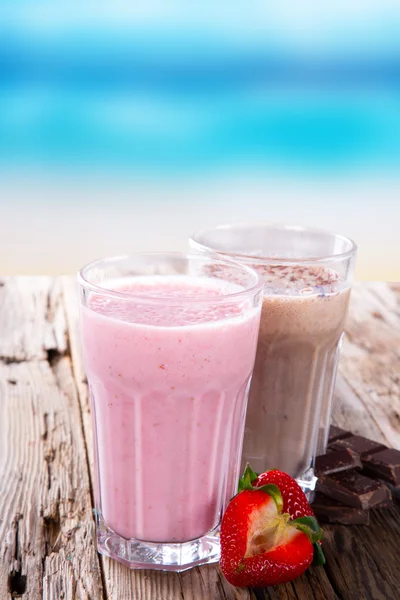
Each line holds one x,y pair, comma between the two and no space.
124,128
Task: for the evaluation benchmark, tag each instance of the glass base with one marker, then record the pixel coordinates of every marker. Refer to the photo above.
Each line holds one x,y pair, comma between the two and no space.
307,481
137,554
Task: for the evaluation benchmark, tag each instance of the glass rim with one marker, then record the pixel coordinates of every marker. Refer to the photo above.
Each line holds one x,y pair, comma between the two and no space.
250,290
259,260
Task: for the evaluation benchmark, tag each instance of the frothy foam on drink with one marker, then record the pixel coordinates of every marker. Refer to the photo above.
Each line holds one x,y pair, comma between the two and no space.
302,280
155,300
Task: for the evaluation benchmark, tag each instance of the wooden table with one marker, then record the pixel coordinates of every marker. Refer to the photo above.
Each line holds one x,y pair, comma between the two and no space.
47,545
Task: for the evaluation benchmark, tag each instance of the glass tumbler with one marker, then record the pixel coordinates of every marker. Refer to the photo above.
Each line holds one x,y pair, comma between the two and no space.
307,279
169,343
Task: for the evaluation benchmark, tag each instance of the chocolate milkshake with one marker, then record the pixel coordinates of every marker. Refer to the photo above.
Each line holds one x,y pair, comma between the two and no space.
308,275
302,322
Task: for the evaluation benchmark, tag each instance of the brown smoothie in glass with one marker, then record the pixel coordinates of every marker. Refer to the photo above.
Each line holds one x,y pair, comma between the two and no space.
302,323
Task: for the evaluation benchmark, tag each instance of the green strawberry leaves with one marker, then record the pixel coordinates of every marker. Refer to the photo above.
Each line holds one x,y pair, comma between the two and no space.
319,557
274,492
246,480
246,483
313,531
310,527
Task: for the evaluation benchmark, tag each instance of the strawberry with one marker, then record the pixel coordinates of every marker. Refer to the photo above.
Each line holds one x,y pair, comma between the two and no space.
294,499
261,543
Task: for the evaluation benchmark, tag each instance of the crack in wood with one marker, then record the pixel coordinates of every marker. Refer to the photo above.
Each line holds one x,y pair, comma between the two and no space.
16,584
335,588
293,585
52,532
49,458
45,426
49,304
260,593
103,578
200,573
16,580
53,356
181,587
17,552
11,360
220,584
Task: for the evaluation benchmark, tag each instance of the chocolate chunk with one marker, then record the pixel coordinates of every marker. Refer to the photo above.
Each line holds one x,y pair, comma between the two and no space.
336,461
388,503
331,511
336,433
353,489
384,464
358,444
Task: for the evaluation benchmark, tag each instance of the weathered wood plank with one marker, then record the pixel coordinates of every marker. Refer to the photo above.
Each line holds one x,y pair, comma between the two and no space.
32,318
46,526
205,583
368,387
313,585
362,562
71,303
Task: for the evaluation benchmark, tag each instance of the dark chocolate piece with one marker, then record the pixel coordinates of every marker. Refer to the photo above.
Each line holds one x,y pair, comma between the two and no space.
336,433
353,489
358,444
331,511
336,461
384,464
388,503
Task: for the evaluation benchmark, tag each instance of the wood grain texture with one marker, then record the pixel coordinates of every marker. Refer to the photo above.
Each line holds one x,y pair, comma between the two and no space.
47,541
46,528
32,319
368,387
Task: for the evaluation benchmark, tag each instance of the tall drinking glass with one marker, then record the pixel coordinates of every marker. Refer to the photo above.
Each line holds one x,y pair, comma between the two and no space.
307,278
169,343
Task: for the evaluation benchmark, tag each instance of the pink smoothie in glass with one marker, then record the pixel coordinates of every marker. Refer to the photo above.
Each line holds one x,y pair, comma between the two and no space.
169,389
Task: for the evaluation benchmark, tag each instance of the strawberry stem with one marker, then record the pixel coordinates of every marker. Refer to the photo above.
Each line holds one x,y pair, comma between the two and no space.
319,557
309,526
246,483
246,480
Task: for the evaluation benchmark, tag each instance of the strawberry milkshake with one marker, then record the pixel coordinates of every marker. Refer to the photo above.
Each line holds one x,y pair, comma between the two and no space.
169,360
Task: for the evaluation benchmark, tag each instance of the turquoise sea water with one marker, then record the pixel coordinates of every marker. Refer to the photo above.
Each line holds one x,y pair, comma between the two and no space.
142,130
176,102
